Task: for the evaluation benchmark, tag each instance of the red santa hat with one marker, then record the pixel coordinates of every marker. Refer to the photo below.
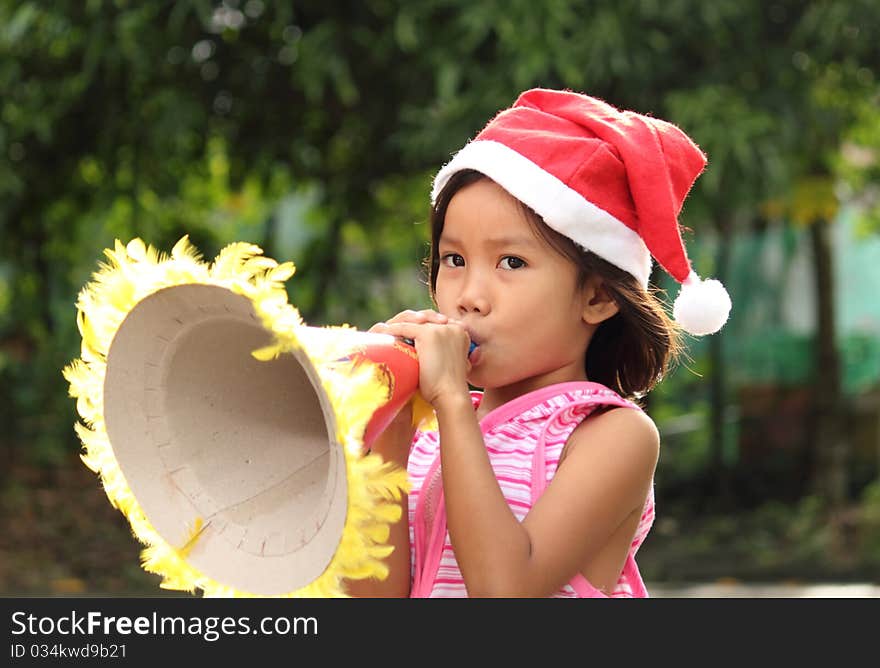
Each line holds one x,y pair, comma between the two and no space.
612,181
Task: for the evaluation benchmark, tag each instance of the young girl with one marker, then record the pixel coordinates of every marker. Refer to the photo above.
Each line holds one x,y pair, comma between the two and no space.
543,229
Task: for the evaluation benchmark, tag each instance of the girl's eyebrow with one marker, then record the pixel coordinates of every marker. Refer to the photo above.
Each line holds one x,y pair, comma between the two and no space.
495,242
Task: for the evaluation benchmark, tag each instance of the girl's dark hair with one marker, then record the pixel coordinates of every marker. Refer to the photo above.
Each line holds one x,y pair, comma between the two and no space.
631,351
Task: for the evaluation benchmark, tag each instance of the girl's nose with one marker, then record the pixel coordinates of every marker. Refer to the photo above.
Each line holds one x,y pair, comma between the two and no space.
473,297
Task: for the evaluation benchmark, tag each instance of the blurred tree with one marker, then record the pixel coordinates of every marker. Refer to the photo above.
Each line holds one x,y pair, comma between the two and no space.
836,56
159,118
760,100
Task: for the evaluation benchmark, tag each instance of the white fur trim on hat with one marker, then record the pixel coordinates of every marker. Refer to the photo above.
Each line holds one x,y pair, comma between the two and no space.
562,208
702,307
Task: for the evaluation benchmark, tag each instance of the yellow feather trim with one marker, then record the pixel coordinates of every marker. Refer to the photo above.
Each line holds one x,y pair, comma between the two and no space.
134,271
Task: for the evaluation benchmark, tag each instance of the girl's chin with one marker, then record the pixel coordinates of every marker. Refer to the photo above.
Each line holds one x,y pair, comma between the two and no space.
483,379
476,378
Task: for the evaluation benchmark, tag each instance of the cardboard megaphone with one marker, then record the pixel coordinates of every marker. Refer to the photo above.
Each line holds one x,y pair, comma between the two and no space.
230,433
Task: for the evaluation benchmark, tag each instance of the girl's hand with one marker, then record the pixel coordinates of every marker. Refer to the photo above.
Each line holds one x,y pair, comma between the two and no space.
442,345
409,316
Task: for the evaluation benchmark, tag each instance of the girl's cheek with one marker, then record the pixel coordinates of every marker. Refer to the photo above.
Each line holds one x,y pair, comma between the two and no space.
444,302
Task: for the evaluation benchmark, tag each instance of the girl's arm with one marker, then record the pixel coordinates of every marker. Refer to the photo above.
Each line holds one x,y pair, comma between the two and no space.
605,477
393,446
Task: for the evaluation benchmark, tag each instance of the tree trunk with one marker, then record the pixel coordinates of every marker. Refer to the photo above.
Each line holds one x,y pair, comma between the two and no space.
270,235
718,374
830,447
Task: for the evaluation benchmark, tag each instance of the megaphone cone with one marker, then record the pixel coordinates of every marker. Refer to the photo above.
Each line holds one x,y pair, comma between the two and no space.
229,433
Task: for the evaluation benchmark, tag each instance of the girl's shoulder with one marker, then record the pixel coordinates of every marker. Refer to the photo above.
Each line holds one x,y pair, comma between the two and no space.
625,435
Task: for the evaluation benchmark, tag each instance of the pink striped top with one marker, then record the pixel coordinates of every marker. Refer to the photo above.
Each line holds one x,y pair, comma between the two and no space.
524,439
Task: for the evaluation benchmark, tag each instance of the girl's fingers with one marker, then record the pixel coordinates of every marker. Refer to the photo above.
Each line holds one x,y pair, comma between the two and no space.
410,316
426,315
403,329
414,330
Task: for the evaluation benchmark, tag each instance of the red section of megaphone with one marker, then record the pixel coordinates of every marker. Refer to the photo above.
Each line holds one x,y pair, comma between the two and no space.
399,362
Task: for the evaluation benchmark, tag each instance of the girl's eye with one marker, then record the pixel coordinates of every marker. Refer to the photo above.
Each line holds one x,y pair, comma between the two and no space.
453,260
512,262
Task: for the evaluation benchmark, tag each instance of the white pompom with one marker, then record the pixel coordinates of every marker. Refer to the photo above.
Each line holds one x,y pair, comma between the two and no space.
702,307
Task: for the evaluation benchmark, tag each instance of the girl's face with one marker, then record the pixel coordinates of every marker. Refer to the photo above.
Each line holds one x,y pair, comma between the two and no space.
517,296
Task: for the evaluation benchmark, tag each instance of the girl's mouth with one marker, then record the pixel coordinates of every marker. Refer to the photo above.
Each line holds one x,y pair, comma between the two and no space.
475,354
474,340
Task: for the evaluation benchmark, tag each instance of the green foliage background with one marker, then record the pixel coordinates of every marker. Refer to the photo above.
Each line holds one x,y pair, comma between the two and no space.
313,129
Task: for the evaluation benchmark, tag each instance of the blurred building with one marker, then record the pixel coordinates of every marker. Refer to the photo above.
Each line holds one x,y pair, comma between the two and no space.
769,343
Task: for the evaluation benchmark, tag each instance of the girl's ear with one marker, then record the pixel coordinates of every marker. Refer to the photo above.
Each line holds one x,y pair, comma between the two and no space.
598,304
